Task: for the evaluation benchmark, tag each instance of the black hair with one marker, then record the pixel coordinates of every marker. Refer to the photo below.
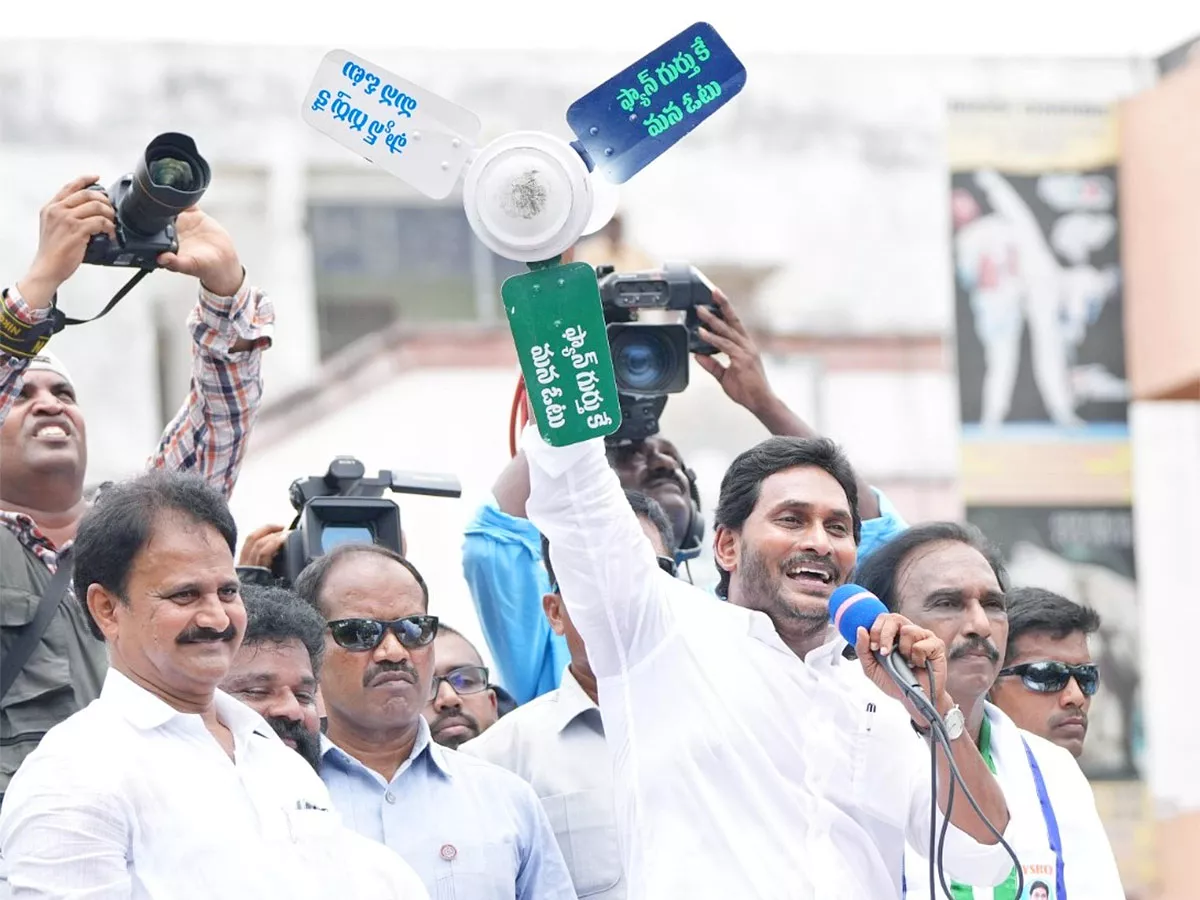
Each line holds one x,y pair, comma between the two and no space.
122,521
310,582
1039,884
644,507
1034,610
742,484
877,573
275,615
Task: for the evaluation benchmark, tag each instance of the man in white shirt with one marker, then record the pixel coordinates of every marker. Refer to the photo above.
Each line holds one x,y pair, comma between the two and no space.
165,786
1049,677
556,741
739,770
946,577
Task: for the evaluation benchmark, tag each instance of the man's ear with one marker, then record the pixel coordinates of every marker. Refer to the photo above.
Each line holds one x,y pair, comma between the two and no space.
552,607
727,548
102,604
495,702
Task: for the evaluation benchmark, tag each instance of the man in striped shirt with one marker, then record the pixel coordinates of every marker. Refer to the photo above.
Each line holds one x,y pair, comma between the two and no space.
43,448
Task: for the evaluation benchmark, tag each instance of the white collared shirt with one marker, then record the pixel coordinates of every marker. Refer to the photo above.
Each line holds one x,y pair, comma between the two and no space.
1089,867
129,798
556,743
739,770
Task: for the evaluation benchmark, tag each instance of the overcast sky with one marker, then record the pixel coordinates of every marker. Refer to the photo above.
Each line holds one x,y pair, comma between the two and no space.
974,27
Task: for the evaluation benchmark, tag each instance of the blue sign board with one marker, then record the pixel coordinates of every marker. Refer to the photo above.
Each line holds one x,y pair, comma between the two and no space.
636,116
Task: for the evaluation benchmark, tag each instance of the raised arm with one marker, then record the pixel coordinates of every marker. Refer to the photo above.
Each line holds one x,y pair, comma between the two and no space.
606,568
230,325
744,381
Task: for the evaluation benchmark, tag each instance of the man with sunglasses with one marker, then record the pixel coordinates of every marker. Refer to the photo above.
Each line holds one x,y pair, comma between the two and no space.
1048,679
468,828
463,704
947,578
556,741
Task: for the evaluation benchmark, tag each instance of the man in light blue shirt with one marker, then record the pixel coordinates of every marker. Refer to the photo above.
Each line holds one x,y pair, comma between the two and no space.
471,830
502,550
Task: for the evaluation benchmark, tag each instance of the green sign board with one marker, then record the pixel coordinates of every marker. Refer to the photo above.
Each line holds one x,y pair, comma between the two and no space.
558,327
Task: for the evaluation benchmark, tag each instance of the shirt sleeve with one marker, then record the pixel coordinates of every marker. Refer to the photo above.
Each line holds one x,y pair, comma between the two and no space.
543,874
63,843
208,434
606,568
12,368
502,565
878,531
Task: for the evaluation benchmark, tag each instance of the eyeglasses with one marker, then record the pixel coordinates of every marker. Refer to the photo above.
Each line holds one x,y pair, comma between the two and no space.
464,680
1051,676
360,635
665,563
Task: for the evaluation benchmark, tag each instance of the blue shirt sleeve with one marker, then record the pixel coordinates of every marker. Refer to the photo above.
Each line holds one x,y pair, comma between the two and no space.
502,564
878,531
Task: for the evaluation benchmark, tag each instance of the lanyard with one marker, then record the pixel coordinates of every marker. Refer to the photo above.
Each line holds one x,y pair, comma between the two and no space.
1039,785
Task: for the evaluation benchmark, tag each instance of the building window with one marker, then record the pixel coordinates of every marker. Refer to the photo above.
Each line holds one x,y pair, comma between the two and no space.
375,264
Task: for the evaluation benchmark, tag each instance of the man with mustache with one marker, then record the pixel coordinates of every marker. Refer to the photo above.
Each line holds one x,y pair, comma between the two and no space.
502,549
469,829
464,703
275,671
165,786
43,445
947,578
743,764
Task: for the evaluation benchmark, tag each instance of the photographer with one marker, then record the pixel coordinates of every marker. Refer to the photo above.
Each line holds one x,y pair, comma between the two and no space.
43,450
502,550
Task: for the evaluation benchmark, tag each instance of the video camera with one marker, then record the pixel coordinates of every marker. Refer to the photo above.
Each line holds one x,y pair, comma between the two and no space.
170,177
650,359
343,507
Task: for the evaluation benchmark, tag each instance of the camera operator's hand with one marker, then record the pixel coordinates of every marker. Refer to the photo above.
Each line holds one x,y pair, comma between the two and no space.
262,546
71,217
206,251
743,379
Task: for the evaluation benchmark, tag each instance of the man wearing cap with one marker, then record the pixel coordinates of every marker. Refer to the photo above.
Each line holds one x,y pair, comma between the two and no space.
50,665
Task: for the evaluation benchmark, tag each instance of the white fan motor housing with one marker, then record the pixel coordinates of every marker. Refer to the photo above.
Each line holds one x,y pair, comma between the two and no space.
528,196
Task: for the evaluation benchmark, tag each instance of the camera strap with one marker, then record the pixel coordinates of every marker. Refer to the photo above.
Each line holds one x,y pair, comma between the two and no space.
18,338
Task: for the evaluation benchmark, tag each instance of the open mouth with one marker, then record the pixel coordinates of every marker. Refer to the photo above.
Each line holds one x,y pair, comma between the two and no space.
810,575
51,433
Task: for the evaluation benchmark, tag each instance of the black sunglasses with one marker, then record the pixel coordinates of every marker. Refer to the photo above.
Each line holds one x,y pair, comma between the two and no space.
465,680
1051,676
665,563
366,634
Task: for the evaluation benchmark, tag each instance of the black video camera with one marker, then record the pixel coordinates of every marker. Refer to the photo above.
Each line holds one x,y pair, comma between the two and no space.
170,177
650,359
345,507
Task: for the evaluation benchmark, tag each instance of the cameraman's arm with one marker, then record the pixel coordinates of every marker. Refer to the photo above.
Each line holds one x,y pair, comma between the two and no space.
72,216
745,382
231,325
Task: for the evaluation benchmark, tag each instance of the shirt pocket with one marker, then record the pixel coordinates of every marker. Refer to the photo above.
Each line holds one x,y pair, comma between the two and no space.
585,824
482,870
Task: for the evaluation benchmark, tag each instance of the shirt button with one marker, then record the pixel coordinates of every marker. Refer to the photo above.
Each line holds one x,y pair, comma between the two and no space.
389,797
449,852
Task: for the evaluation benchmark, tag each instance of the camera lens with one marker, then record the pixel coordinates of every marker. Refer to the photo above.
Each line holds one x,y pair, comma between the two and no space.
646,360
170,177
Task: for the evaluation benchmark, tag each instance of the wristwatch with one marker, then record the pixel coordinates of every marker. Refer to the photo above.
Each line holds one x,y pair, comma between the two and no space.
956,724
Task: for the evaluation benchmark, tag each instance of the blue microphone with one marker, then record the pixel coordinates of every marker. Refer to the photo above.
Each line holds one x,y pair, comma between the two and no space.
851,606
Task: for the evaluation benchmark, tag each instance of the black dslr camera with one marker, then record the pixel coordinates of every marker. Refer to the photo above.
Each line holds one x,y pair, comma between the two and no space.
650,359
170,177
345,507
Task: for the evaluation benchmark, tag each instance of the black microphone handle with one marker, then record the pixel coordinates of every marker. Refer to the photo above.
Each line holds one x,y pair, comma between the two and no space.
897,666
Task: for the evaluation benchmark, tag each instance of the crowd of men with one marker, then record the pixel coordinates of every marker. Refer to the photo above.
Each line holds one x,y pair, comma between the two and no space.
170,731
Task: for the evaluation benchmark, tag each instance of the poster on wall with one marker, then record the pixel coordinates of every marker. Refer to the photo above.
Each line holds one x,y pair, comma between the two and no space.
1085,554
1036,268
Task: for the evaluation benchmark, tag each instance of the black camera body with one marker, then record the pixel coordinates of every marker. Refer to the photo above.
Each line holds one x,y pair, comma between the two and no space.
344,506
650,359
170,177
